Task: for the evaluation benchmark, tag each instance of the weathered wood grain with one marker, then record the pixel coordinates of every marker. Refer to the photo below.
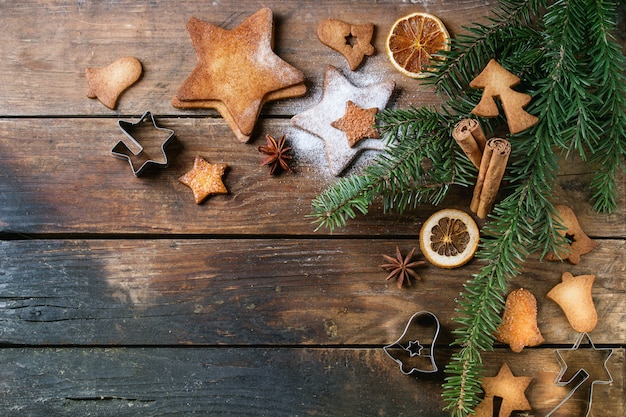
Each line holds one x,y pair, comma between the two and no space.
259,382
120,296
47,46
257,292
58,176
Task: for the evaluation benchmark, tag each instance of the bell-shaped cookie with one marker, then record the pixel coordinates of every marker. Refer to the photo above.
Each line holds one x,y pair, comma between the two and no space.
106,84
519,321
573,295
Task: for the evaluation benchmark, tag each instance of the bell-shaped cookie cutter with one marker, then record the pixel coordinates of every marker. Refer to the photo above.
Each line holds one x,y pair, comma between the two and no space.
414,351
138,161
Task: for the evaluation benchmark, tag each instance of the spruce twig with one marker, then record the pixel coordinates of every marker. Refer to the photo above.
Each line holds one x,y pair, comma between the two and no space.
574,69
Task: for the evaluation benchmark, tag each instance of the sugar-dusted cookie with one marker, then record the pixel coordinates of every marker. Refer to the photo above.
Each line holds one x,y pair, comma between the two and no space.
519,321
204,179
337,92
496,81
107,83
573,295
237,72
351,41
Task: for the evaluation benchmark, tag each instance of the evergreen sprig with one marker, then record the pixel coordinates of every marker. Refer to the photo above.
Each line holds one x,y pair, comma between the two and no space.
573,68
399,175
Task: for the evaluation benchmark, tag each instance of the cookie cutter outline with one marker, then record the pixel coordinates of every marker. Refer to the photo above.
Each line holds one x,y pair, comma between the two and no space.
410,347
125,127
564,367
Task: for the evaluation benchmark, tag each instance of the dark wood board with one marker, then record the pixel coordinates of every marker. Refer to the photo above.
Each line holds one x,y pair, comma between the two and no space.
49,44
120,296
58,173
257,291
259,382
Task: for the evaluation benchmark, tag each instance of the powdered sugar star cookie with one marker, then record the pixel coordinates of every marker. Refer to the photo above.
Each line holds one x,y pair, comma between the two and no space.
337,92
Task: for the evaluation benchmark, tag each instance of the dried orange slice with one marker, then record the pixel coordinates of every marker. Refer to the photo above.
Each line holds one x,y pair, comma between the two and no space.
449,238
412,42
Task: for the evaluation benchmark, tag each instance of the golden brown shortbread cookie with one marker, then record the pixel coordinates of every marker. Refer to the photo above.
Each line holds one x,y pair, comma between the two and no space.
351,41
237,72
205,179
573,295
108,83
519,321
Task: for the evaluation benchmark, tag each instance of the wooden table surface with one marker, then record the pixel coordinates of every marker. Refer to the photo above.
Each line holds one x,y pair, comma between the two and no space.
120,296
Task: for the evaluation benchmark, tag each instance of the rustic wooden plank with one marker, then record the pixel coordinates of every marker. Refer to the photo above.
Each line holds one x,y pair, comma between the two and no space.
48,44
257,291
58,176
257,382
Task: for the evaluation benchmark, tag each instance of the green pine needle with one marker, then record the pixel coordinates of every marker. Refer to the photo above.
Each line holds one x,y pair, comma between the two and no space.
573,67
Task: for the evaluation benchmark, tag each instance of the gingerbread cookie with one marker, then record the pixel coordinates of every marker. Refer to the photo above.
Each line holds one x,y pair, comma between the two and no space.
509,388
357,123
519,321
498,82
573,295
351,41
204,179
580,244
237,72
108,83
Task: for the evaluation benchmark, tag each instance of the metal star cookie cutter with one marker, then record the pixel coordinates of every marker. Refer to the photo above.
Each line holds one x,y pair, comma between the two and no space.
586,375
414,351
147,154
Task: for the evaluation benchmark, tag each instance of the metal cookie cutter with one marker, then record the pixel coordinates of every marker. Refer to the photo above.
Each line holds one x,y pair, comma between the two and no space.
580,370
414,350
152,152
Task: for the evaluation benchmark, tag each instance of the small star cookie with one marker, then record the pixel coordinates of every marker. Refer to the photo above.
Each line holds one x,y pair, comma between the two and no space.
205,179
508,387
357,123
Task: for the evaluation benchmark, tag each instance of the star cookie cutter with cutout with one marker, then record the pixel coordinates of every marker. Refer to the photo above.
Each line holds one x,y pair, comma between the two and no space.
586,376
148,154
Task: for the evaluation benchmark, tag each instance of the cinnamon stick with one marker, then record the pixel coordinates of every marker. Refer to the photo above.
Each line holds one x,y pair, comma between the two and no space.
470,137
490,175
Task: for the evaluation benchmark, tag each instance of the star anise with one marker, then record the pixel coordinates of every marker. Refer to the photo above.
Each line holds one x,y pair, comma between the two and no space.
276,154
402,267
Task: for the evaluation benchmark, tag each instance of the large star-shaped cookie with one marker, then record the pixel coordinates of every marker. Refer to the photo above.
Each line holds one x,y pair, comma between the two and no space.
337,92
508,387
237,71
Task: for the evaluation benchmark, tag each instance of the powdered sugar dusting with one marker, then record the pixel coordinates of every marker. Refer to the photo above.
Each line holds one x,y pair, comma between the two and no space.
338,90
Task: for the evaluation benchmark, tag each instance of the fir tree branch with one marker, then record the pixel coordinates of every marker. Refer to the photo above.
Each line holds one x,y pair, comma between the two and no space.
471,51
399,175
607,69
574,69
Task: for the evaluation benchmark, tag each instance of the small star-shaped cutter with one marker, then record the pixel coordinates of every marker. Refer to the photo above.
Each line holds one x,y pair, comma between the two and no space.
558,353
138,164
415,351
